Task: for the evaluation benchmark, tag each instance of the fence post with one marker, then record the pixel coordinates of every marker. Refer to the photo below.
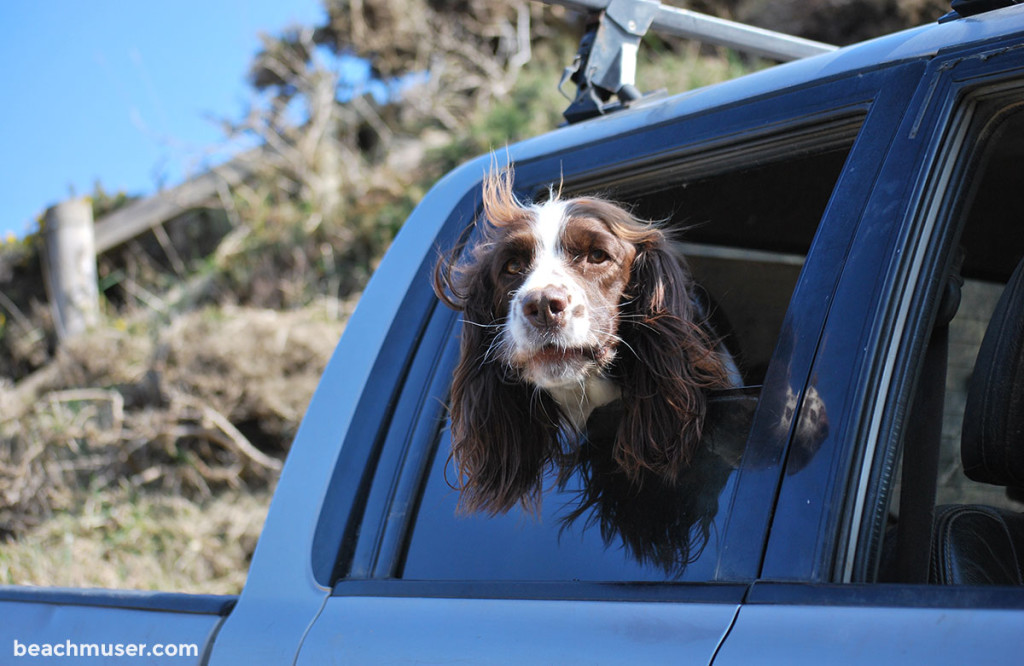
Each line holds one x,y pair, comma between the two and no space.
70,267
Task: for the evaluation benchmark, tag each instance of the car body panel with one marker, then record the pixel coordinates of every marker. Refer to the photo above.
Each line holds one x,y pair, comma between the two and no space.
388,630
875,624
811,634
52,625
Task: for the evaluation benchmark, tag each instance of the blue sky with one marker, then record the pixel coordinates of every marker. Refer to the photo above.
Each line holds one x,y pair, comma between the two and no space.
121,92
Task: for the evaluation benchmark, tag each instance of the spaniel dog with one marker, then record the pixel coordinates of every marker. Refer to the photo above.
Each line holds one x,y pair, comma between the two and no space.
570,305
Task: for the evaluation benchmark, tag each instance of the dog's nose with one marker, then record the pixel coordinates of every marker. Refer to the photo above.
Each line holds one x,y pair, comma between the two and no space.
546,307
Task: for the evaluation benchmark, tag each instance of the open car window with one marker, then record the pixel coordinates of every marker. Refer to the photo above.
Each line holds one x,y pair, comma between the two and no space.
745,231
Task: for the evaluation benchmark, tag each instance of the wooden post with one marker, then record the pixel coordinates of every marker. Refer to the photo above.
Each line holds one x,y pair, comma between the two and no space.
70,267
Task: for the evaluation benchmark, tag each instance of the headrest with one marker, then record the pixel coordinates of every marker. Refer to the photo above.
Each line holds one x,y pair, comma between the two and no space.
992,441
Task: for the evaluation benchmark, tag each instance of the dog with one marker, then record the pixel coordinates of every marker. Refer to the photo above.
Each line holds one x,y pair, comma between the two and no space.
570,305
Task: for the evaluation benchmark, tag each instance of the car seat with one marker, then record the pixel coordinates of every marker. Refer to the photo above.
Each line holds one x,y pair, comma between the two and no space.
976,544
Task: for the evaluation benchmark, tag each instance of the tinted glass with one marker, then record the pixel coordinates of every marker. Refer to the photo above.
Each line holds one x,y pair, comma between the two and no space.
593,526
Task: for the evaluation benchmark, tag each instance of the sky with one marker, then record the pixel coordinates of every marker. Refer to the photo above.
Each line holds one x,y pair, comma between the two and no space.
123,93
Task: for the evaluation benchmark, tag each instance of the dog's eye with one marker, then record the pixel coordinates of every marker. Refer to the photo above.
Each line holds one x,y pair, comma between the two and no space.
513,266
597,256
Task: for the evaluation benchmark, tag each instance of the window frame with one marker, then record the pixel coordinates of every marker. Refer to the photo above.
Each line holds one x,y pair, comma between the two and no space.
878,95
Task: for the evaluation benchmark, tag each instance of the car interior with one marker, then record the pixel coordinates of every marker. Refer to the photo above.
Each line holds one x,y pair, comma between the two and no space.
955,512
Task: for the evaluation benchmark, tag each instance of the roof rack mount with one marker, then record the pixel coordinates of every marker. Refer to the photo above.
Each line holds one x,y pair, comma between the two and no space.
964,8
605,65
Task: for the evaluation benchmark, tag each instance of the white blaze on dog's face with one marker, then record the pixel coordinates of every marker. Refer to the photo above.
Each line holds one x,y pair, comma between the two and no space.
564,272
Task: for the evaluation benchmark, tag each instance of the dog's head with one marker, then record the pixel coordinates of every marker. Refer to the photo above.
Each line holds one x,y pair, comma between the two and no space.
570,304
558,272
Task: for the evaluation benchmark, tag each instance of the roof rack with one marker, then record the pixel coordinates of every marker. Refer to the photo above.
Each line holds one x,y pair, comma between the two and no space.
605,64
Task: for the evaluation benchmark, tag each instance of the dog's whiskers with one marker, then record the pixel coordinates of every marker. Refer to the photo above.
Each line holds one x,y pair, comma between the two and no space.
498,323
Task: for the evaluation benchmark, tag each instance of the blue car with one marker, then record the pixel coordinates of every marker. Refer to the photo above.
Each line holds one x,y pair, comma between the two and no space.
857,221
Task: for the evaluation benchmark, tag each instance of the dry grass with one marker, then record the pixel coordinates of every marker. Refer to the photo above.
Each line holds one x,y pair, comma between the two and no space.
122,539
145,458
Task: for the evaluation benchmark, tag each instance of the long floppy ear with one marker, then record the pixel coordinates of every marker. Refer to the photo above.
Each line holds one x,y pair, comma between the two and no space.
504,434
668,364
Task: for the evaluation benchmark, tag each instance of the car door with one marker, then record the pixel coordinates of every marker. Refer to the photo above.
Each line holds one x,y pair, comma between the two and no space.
414,580
853,570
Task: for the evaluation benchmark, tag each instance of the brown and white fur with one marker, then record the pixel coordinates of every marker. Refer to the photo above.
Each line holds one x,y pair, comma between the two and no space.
569,305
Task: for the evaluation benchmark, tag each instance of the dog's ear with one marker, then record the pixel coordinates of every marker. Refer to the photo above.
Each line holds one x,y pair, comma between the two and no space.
503,436
504,433
668,362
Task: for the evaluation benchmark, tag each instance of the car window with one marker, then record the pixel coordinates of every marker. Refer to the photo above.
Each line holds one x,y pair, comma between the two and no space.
936,520
745,234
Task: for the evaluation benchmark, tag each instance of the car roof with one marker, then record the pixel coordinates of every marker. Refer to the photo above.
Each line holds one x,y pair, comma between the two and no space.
923,42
